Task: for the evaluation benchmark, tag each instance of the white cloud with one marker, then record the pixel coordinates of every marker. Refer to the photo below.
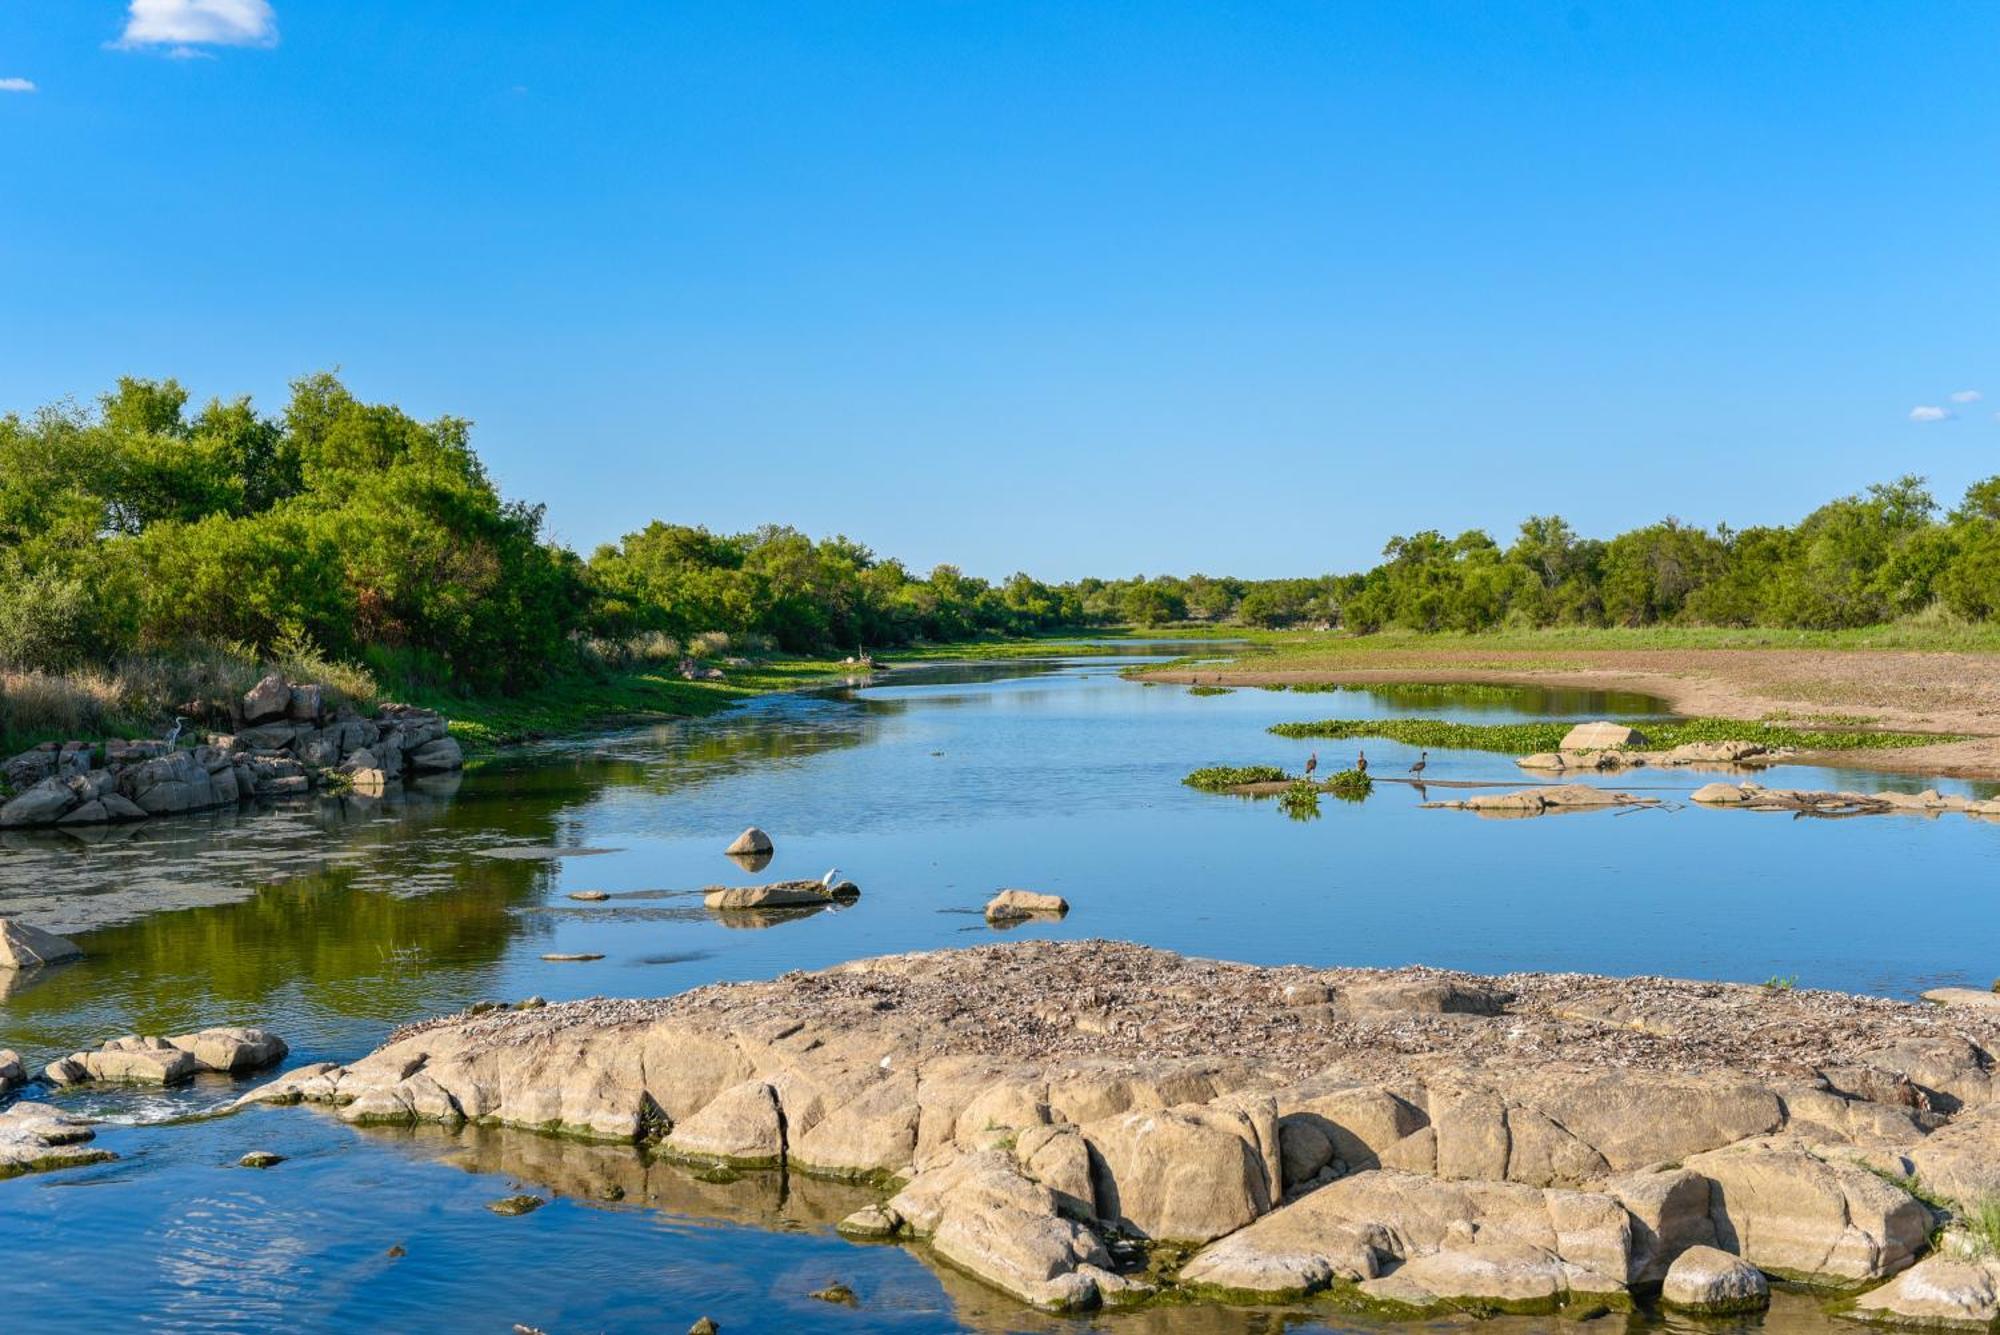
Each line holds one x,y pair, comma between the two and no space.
1967,396
17,85
181,24
1926,412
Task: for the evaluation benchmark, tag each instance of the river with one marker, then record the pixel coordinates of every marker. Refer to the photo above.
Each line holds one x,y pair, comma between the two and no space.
334,920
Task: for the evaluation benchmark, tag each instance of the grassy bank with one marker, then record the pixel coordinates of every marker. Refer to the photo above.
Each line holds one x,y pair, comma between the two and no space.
1520,739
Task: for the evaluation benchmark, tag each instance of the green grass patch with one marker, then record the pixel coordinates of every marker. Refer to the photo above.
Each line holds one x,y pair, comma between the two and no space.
1217,778
1210,690
1522,739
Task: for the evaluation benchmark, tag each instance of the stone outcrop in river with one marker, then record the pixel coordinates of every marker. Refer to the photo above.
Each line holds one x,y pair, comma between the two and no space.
1047,1112
288,739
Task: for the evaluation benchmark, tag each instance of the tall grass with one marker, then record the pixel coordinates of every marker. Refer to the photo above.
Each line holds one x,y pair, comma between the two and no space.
141,695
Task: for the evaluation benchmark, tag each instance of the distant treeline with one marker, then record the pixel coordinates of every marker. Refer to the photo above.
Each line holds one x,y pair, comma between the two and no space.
1857,561
362,533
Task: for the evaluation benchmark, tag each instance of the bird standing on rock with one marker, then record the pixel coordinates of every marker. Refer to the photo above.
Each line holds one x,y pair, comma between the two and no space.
174,735
1312,763
827,881
1423,761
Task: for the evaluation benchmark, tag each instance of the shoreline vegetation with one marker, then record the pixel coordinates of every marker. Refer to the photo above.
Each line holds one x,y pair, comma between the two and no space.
156,559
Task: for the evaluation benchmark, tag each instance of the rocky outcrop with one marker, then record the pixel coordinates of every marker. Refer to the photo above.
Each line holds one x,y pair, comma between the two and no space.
13,1075
1731,754
1756,797
1438,1141
291,739
27,947
35,1138
1939,1291
171,1061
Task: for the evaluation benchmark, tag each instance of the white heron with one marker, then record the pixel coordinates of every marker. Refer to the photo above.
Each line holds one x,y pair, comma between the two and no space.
832,877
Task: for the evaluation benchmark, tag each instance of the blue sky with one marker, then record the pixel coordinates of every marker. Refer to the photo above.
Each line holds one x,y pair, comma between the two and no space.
1076,288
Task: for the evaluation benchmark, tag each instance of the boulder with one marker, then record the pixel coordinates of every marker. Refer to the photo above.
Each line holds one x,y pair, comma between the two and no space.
167,784
743,1124
751,841
43,804
1818,1221
984,1217
1601,737
1961,1161
436,757
13,1074
1188,1173
1025,904
1669,1211
1711,1282
307,704
1543,760
1938,1291
232,1050
1719,794
25,947
269,699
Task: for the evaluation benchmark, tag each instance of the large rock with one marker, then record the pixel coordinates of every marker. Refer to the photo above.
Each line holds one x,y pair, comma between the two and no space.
43,804
743,1125
1189,1173
1669,1210
984,1217
1961,1162
139,1061
1601,737
171,783
307,704
13,1075
1525,1244
436,757
268,700
1711,1282
1816,1220
1025,904
35,1138
751,841
777,895
26,947
1493,1277
232,1051
1938,1291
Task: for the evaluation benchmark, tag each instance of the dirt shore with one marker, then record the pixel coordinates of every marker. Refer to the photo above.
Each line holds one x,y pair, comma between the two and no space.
1955,693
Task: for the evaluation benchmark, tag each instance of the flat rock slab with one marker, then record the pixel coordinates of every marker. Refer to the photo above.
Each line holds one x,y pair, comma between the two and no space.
1968,998
37,1138
778,895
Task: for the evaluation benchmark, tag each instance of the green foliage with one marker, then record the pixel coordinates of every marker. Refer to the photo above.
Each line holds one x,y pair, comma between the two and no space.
1350,785
1982,1225
1776,983
1300,801
1522,739
1216,778
1210,690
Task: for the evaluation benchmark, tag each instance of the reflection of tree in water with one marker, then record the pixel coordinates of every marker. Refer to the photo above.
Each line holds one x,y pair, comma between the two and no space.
402,924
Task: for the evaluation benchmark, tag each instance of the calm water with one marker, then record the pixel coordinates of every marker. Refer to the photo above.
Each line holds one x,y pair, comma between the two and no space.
332,922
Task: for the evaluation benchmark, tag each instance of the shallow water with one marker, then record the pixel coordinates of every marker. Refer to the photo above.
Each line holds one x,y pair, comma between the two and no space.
333,921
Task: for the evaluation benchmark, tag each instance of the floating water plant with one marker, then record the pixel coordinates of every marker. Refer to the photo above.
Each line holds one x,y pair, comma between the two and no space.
1216,778
1350,785
1301,800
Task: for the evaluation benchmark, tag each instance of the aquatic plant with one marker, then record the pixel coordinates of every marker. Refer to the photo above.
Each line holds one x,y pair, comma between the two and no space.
1301,800
1526,738
1210,690
1216,778
1350,785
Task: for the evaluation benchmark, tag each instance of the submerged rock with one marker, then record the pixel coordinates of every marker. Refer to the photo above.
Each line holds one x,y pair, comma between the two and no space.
1938,1291
136,1059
